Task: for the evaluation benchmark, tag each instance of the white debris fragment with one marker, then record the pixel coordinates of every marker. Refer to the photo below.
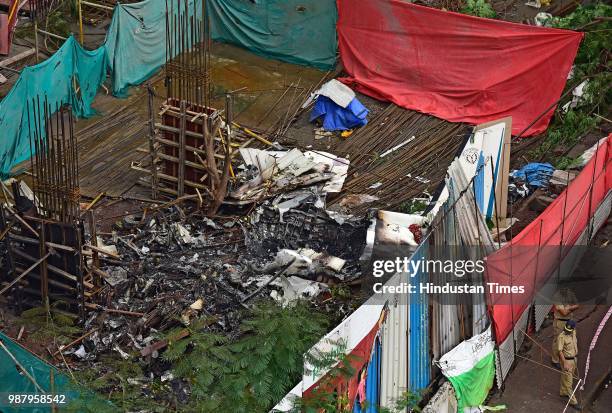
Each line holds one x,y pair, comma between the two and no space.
123,354
167,376
182,233
197,305
81,353
295,288
116,275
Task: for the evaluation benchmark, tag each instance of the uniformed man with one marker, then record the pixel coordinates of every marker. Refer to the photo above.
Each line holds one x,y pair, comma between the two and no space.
567,349
562,312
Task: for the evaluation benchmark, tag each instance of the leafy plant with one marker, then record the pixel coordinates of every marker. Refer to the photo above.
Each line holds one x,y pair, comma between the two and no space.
479,8
592,63
408,401
413,206
252,372
118,384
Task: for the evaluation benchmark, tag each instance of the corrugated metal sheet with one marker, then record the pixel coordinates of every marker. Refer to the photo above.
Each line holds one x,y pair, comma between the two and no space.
540,313
474,232
521,328
394,372
447,315
419,359
373,380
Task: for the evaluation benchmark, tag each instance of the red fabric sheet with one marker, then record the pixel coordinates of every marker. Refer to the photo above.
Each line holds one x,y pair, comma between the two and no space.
457,67
357,358
533,255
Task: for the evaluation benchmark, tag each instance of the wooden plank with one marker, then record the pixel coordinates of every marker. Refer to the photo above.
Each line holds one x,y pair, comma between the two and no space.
9,61
26,272
181,151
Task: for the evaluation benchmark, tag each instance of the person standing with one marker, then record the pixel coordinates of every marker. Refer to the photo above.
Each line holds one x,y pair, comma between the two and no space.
567,349
561,314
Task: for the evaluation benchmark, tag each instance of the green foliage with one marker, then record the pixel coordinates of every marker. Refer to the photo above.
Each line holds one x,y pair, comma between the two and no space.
50,325
118,386
340,291
595,46
414,206
593,63
566,162
408,401
479,8
253,372
566,131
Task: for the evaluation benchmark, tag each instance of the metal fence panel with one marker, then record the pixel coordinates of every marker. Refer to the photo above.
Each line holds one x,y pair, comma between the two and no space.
419,352
394,365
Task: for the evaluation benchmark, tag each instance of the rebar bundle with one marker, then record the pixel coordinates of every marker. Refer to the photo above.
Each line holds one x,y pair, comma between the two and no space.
40,9
188,47
398,155
55,162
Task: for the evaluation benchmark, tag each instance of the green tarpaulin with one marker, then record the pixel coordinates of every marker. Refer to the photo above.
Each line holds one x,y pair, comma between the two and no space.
136,41
14,382
54,79
295,31
470,367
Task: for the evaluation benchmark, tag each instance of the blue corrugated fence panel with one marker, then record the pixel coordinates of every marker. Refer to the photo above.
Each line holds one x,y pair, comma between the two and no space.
418,341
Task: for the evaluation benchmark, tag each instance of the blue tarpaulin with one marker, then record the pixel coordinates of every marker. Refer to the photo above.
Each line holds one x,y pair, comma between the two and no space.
337,117
534,174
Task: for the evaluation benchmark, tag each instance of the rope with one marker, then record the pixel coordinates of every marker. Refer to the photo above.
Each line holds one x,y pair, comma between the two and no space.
602,324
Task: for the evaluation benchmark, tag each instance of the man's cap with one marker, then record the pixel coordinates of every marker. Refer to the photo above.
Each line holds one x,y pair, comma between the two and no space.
570,325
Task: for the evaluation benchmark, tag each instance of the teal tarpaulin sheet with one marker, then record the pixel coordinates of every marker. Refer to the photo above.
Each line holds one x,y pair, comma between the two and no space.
136,41
14,382
52,79
295,31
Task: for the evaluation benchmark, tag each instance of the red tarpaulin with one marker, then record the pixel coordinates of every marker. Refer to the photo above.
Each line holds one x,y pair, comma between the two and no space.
457,67
533,255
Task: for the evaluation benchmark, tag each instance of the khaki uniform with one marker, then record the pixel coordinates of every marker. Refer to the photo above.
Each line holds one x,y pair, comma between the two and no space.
568,344
559,321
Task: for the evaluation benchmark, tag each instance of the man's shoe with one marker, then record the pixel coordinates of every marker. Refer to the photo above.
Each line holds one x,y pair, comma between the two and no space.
576,407
556,365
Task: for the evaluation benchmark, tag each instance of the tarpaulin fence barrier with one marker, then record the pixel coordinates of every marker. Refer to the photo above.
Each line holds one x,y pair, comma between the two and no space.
458,67
47,377
505,354
132,51
301,32
548,245
295,31
55,79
